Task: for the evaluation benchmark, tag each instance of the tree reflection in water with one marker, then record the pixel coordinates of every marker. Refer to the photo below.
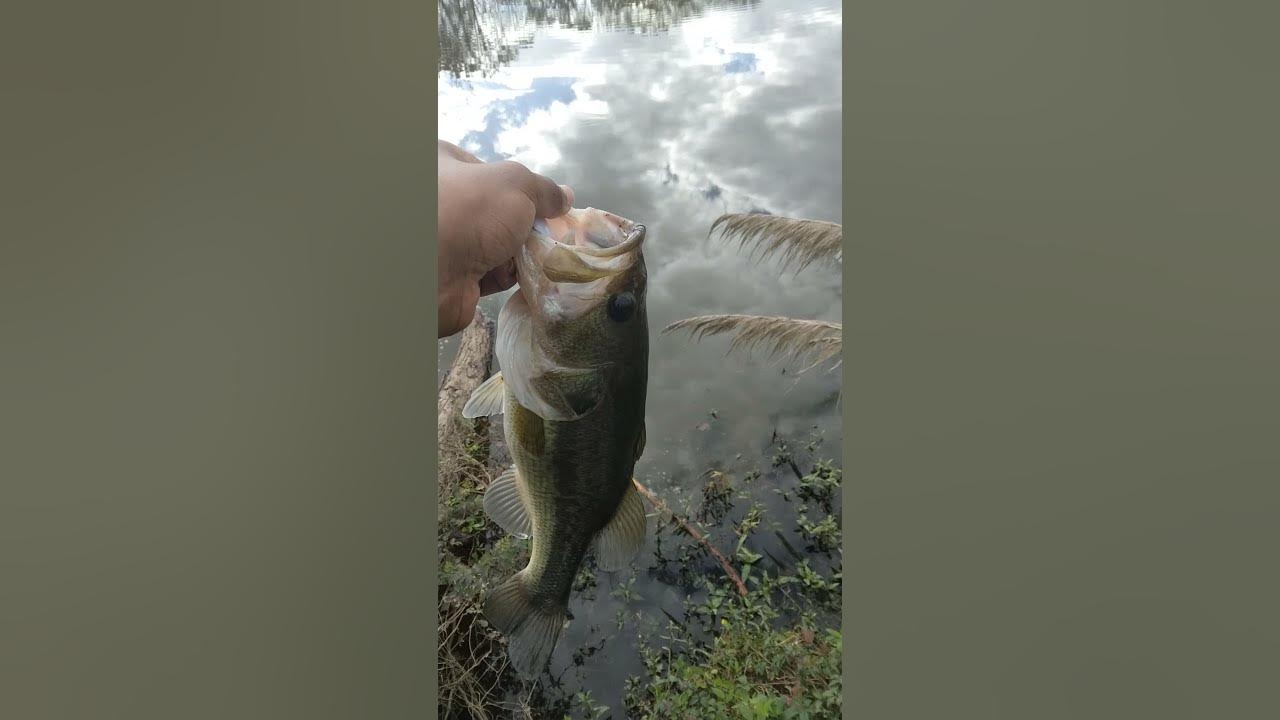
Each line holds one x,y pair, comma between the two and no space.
478,37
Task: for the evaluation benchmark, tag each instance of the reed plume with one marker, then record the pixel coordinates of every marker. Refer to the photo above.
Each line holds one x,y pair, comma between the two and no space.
800,243
816,340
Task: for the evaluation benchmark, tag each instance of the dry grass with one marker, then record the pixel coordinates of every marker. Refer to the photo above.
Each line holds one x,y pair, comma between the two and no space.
815,340
470,663
799,243
460,470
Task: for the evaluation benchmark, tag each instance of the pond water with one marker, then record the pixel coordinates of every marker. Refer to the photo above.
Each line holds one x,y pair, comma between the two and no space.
672,113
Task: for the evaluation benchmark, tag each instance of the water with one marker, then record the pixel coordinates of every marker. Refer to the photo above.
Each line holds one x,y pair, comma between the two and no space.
671,113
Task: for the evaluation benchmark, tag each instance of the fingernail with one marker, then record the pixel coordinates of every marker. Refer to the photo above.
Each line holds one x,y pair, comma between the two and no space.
568,197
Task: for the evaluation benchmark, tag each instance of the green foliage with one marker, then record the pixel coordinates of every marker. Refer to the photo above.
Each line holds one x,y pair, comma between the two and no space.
771,654
821,484
585,581
751,666
626,591
825,533
588,706
823,591
717,491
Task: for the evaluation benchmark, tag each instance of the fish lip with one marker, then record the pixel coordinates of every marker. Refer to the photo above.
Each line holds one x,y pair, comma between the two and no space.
635,235
565,299
635,238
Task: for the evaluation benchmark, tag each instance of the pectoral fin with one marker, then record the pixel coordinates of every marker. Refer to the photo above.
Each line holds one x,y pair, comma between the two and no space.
619,541
567,393
487,399
535,382
504,504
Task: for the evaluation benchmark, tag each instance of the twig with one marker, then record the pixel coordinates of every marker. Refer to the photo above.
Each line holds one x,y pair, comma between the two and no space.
795,469
658,503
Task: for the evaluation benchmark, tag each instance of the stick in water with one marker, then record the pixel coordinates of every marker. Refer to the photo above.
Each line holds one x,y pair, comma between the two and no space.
693,532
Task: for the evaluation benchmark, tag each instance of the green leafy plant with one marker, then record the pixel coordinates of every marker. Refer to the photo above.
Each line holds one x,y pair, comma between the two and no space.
774,653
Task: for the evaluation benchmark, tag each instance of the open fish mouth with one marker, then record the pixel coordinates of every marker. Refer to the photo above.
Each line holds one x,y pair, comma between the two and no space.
571,264
592,232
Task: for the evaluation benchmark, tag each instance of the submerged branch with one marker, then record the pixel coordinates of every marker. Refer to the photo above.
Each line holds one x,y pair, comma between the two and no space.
662,506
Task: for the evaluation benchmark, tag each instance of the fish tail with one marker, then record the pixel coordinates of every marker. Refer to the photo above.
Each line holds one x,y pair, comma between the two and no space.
531,631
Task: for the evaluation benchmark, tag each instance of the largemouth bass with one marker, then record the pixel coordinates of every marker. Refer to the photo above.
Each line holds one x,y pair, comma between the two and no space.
573,346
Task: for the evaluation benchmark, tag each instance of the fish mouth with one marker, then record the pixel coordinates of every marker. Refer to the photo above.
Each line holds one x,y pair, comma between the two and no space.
571,264
582,246
592,232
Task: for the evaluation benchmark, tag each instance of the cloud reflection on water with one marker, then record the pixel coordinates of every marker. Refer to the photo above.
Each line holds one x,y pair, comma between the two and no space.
653,128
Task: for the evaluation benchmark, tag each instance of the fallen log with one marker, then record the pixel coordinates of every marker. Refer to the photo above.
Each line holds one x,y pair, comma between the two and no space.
470,368
455,435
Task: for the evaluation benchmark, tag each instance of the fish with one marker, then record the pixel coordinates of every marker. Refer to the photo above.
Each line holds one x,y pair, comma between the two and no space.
572,345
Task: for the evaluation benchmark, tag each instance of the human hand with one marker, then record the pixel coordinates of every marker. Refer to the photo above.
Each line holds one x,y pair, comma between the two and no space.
485,213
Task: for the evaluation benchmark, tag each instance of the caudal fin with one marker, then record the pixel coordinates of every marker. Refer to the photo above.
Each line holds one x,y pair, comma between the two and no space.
531,633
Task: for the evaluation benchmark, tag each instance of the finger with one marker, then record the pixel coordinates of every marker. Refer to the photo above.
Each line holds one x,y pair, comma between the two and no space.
549,199
499,278
455,152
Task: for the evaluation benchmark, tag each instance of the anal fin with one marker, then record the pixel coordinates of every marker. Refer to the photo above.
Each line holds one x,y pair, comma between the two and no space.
621,540
487,399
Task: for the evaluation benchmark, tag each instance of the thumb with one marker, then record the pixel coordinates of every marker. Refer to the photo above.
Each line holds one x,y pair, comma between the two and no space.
549,199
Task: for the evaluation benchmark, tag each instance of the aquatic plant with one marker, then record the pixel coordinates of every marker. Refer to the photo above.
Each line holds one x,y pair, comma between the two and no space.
773,652
755,672
716,492
820,484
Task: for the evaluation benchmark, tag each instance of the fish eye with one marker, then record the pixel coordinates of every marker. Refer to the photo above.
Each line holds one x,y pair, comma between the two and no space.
621,307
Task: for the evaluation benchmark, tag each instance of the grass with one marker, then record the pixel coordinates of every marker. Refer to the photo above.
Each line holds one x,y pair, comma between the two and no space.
756,672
